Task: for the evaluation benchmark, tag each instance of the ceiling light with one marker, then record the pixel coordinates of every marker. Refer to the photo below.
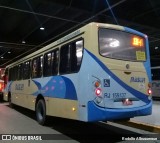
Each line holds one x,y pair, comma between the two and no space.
156,48
9,52
2,57
42,28
23,42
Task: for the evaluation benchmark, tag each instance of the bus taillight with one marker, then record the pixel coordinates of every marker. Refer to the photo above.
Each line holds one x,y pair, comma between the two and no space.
98,91
149,91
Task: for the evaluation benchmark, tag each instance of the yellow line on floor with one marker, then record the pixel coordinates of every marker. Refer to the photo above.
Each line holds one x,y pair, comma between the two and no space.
140,125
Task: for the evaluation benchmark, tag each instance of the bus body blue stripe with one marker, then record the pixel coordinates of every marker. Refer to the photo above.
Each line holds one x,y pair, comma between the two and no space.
57,87
147,64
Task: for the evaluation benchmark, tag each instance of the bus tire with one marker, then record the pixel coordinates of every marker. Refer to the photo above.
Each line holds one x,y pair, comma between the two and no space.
123,120
10,101
41,112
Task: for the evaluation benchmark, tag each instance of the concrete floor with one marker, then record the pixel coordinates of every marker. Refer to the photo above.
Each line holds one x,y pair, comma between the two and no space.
15,121
20,121
153,119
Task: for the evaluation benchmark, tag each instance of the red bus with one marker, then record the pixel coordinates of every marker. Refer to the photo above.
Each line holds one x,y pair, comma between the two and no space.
1,83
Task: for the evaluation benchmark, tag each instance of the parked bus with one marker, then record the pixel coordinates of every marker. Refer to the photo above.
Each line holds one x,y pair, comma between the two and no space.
156,82
1,83
99,72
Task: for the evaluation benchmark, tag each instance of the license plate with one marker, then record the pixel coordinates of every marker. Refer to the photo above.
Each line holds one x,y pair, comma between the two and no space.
127,102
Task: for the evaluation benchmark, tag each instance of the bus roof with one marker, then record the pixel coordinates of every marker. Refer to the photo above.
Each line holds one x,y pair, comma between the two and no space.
70,36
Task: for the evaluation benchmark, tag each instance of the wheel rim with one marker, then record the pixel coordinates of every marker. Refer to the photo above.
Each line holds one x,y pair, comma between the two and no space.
9,100
40,112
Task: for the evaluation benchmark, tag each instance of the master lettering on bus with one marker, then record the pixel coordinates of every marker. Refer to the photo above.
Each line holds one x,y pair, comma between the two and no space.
19,86
137,79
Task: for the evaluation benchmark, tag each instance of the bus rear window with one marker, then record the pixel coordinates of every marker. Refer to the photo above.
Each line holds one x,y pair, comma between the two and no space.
121,45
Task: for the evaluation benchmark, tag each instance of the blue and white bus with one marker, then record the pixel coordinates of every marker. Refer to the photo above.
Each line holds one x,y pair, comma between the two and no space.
99,72
155,82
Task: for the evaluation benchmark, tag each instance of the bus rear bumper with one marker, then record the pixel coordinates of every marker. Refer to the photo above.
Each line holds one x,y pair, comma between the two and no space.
96,113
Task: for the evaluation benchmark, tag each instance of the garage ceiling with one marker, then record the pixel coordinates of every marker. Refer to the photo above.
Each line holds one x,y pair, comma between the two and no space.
21,20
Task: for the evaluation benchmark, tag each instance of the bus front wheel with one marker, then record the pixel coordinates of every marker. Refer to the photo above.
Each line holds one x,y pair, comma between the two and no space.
41,112
10,101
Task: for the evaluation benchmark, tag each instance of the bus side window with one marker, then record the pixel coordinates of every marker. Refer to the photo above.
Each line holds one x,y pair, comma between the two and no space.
40,66
13,74
10,72
55,60
77,57
26,70
71,57
37,67
20,71
51,63
47,65
34,68
65,58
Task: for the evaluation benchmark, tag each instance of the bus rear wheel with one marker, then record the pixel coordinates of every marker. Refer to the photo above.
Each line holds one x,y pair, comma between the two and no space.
10,101
41,112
